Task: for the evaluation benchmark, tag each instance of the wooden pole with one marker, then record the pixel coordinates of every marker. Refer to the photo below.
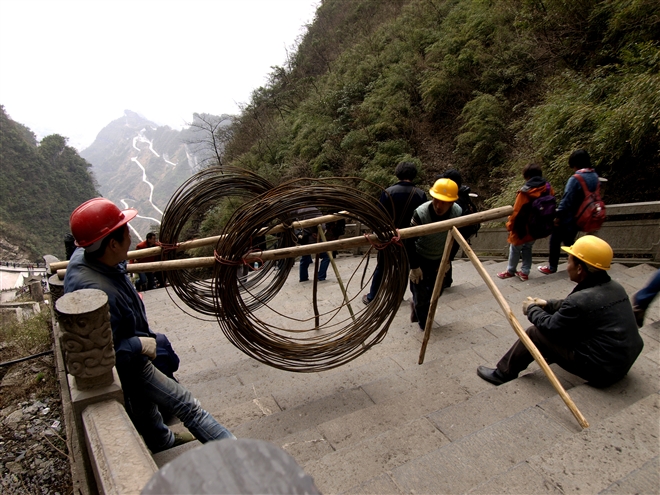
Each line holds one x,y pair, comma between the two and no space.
336,270
209,241
517,327
350,243
437,291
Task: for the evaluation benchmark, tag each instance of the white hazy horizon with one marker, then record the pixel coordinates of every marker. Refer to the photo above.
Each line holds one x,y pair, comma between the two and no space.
71,67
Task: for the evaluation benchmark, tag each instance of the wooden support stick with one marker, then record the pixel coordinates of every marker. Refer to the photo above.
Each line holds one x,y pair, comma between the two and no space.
517,327
336,270
437,291
350,243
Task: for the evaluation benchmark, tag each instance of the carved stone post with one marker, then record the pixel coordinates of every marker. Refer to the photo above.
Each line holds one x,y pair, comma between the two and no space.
86,342
56,287
86,337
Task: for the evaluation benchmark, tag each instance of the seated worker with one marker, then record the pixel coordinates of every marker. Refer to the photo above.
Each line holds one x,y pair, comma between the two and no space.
147,281
425,252
101,232
592,333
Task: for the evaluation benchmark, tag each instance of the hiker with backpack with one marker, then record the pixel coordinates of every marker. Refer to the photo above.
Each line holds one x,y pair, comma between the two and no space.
532,218
580,209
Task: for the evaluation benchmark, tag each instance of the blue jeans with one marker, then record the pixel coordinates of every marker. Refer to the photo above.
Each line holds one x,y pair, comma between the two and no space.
514,256
146,389
306,260
646,295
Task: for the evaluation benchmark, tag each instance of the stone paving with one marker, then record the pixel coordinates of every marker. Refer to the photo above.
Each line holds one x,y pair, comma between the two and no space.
384,424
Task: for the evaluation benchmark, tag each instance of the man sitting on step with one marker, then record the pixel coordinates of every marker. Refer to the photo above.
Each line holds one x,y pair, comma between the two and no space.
103,239
592,333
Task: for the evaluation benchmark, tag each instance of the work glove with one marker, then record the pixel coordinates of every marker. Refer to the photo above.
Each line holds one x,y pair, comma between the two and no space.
416,275
148,347
532,301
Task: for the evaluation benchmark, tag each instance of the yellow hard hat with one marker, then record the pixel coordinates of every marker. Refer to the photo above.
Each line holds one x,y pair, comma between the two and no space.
593,251
444,190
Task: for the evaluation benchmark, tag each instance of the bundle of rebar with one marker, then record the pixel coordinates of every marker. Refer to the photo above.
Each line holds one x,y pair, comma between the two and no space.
235,289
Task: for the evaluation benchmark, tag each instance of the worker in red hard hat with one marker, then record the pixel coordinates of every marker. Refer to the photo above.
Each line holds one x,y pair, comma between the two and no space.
100,230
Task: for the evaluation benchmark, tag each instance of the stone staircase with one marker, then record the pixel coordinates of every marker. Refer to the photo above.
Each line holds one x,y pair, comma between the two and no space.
384,424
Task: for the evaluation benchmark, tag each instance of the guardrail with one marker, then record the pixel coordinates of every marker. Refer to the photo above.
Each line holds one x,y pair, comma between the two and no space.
632,229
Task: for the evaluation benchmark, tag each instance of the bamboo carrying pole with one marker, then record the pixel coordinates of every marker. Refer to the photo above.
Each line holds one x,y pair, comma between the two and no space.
292,252
517,327
208,241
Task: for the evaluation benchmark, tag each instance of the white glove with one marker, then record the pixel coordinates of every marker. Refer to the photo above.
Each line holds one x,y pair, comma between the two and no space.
148,347
416,275
532,301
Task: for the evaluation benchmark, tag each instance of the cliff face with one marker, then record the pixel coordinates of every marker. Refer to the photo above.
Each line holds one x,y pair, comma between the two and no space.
139,164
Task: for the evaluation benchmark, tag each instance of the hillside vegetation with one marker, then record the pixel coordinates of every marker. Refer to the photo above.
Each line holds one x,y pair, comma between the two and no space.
41,185
482,86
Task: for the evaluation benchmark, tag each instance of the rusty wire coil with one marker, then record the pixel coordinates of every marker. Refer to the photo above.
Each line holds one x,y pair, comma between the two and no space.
297,343
199,196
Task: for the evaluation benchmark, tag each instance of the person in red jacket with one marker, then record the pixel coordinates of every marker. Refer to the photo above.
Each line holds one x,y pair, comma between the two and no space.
147,281
521,238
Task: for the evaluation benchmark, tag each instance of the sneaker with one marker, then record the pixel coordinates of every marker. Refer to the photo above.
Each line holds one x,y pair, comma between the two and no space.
506,274
183,437
546,270
522,276
365,299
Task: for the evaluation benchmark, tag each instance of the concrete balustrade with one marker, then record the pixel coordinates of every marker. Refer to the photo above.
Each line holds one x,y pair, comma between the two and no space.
102,437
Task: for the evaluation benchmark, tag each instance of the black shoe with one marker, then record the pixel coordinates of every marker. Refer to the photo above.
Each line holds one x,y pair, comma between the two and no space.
413,313
365,299
492,375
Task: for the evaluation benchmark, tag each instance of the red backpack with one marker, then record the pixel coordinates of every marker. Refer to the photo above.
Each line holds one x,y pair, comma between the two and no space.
591,213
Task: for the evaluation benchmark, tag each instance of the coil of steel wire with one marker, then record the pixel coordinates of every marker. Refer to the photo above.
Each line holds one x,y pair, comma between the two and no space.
296,342
201,195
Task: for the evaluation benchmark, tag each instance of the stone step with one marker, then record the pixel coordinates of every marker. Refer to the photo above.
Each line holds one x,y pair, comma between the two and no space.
384,424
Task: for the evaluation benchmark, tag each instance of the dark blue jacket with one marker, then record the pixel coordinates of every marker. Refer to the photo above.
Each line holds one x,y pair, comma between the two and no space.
128,317
574,195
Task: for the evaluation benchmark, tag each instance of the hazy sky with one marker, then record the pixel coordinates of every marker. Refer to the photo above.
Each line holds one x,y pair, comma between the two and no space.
72,66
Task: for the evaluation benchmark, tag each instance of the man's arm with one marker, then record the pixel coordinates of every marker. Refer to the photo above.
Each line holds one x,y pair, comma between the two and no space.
562,323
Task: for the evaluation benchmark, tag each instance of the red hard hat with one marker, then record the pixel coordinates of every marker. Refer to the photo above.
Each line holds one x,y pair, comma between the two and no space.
96,218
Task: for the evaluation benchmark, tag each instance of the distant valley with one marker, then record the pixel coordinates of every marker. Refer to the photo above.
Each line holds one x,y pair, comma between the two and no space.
140,165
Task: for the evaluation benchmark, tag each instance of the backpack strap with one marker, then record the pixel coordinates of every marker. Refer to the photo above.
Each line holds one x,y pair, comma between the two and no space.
583,183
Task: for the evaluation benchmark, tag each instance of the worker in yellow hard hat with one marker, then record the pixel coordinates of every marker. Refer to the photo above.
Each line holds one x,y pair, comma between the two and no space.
425,252
592,333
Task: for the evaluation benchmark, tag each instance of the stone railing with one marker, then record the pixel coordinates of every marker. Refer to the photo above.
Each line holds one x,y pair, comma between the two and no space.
100,436
632,229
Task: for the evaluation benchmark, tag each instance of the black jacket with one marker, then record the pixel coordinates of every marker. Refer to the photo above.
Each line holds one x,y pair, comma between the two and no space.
401,200
596,321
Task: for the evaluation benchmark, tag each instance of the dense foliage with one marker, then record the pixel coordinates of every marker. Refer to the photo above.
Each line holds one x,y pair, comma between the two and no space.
484,86
41,185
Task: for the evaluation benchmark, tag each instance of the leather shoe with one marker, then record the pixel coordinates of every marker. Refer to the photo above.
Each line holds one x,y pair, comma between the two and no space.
492,375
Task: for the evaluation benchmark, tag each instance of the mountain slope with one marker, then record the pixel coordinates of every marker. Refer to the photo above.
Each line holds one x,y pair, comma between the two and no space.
41,185
139,164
